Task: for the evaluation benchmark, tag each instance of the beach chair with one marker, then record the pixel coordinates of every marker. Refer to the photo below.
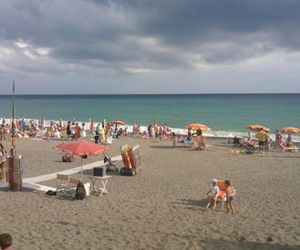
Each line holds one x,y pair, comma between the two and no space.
110,164
62,182
290,149
65,185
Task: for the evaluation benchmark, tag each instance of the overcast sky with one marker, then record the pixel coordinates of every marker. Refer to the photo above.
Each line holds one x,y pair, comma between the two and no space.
149,46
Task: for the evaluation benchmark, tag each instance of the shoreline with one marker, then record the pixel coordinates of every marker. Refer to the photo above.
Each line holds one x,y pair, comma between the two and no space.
177,131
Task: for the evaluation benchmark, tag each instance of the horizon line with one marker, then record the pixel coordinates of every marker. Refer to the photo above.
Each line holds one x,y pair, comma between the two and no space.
123,94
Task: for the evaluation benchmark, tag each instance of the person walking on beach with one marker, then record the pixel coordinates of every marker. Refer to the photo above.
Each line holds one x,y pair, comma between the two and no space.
229,197
5,241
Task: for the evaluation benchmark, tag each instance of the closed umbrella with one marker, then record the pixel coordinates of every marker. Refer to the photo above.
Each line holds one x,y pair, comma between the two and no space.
82,148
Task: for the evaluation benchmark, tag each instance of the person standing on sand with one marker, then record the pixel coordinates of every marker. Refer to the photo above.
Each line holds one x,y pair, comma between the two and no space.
5,241
77,131
2,161
261,136
212,194
69,130
278,138
268,141
289,142
83,132
229,197
200,140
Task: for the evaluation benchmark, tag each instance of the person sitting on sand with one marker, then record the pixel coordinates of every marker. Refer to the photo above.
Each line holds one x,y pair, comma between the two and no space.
229,197
5,241
212,194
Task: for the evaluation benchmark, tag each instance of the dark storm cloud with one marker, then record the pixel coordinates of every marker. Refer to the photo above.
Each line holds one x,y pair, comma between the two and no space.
111,33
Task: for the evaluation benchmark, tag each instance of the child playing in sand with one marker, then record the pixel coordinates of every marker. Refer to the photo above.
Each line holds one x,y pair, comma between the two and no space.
212,194
230,192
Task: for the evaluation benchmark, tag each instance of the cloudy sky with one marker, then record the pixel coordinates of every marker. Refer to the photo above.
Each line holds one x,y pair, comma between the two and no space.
149,46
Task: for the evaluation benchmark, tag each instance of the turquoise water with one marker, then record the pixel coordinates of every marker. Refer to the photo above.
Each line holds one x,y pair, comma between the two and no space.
225,112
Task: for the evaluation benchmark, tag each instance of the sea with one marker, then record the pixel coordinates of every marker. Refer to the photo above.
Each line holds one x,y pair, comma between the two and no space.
223,113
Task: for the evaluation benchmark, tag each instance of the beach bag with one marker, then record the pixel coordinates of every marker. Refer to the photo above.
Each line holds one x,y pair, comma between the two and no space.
80,191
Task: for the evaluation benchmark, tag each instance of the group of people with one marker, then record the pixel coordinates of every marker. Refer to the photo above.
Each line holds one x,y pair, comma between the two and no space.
191,139
263,139
105,132
214,193
75,131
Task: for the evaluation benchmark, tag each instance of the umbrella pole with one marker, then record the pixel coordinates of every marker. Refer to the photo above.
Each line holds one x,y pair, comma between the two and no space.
81,170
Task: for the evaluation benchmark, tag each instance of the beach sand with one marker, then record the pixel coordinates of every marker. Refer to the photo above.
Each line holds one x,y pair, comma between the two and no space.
163,207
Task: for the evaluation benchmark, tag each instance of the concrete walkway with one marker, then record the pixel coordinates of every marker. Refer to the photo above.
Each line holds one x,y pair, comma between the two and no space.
32,182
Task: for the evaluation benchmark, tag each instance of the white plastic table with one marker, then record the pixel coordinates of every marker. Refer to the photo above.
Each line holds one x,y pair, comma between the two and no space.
98,184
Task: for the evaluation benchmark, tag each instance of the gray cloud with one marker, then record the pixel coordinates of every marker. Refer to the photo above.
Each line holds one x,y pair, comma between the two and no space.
127,36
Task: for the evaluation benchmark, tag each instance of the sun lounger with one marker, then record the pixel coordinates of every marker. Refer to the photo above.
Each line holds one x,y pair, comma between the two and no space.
284,148
110,164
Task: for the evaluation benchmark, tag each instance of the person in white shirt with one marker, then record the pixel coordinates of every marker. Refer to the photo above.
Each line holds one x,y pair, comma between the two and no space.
212,194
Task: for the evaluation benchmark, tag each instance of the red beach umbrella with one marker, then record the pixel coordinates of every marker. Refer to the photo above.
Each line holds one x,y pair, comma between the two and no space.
290,130
257,127
196,126
82,148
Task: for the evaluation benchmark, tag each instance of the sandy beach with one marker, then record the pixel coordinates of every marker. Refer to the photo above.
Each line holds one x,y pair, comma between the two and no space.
163,207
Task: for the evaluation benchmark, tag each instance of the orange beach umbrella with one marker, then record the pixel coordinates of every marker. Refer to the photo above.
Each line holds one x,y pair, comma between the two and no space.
257,127
196,126
290,130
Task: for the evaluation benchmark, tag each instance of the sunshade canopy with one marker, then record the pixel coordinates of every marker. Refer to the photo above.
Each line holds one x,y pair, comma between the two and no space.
290,130
82,148
196,126
257,127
